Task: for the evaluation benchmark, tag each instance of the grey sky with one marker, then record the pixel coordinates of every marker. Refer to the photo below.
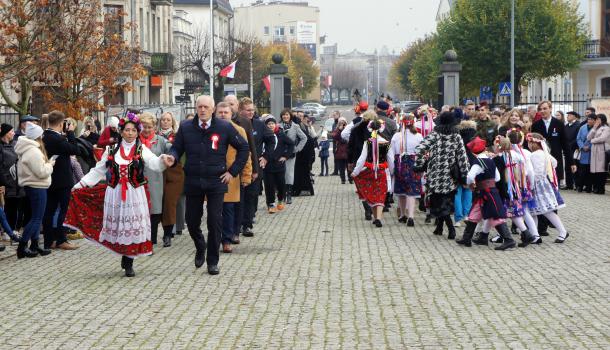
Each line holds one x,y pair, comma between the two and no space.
368,25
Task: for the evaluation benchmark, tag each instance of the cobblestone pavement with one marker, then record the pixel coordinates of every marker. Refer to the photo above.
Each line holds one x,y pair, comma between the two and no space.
317,276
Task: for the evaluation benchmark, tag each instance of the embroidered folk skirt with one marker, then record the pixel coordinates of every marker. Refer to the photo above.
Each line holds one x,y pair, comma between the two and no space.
104,218
546,196
406,181
372,189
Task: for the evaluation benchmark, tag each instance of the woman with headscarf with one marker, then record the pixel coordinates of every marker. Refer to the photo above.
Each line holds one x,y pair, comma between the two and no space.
372,170
117,215
443,156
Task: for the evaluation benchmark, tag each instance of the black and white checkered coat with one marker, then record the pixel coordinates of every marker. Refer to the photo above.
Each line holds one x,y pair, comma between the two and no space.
441,149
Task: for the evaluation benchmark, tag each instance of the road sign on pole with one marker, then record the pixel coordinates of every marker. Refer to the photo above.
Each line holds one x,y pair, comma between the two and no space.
505,89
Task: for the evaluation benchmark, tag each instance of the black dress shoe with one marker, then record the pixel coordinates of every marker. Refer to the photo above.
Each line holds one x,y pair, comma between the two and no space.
543,233
368,217
199,258
537,241
410,222
247,232
403,219
167,241
428,219
559,240
178,232
213,269
377,223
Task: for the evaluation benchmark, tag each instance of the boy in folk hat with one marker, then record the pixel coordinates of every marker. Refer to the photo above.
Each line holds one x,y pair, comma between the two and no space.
487,204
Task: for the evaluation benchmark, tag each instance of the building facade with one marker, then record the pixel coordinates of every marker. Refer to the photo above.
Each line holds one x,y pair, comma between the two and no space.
283,22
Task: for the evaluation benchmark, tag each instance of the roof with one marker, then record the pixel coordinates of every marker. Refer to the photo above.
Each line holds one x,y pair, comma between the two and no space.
222,4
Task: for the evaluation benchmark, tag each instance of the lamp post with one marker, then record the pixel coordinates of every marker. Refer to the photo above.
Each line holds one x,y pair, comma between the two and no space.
212,49
512,55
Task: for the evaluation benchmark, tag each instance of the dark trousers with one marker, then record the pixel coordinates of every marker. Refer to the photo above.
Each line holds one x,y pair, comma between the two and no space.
323,166
570,177
194,212
155,220
56,198
335,168
228,222
584,179
250,202
342,168
599,181
239,211
275,181
38,201
18,211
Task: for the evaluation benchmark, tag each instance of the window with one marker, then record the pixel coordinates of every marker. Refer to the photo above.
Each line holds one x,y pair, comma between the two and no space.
113,20
279,31
606,19
292,30
266,30
606,87
142,38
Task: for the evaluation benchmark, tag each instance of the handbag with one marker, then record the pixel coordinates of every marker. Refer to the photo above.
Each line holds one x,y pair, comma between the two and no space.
576,155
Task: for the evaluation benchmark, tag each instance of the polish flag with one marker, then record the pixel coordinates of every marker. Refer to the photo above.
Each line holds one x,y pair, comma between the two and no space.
267,82
228,71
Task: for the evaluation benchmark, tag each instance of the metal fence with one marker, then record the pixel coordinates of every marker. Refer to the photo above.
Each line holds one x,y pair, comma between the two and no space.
563,103
11,118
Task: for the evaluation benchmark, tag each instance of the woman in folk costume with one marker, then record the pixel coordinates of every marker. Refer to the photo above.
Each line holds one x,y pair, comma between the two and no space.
514,187
124,227
407,182
442,155
487,205
372,170
546,194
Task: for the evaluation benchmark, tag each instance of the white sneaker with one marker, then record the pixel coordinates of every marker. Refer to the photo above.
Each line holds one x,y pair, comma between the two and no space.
458,224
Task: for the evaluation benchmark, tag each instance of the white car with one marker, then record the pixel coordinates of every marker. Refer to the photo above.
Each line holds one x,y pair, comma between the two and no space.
320,109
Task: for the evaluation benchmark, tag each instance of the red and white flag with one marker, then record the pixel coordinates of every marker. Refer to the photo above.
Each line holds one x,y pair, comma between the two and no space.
267,82
301,82
228,71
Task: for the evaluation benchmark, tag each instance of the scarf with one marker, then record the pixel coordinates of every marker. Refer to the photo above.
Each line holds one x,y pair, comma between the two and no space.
147,141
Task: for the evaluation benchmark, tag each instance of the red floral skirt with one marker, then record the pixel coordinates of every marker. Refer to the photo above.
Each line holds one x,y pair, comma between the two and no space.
86,213
370,189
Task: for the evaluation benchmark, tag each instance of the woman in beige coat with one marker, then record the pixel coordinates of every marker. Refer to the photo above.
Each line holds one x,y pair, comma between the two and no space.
599,136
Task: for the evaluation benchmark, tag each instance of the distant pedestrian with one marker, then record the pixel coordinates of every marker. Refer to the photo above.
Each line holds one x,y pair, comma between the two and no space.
323,153
599,137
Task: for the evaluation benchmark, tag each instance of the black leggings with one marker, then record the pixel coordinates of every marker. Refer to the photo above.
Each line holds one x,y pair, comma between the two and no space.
155,220
274,181
342,168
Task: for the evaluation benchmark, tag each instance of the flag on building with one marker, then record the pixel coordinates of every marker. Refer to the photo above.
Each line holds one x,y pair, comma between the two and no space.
228,71
267,82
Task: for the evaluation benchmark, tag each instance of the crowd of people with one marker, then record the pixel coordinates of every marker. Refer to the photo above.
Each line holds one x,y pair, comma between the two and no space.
116,185
465,165
472,167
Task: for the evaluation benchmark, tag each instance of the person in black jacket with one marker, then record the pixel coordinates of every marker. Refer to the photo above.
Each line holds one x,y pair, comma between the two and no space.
357,137
262,136
16,205
205,141
58,195
572,127
275,166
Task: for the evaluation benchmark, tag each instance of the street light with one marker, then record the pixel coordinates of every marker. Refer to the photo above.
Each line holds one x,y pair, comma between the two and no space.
212,49
512,55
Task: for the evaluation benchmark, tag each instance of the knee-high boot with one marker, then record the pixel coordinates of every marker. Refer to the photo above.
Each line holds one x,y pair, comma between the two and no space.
450,227
127,264
368,212
439,222
468,233
481,239
508,241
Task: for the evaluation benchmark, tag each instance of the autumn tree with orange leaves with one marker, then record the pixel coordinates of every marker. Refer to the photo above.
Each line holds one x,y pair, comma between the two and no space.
85,55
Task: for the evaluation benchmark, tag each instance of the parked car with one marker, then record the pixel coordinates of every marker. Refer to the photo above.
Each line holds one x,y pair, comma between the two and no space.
410,106
320,109
310,112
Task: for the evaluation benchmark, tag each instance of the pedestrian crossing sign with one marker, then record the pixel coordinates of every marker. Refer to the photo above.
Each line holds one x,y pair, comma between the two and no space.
505,89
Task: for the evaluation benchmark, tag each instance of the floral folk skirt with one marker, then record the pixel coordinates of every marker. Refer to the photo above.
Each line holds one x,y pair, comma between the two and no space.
372,189
406,181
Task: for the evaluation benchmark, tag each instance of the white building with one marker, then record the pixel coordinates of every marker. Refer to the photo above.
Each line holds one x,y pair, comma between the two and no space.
283,22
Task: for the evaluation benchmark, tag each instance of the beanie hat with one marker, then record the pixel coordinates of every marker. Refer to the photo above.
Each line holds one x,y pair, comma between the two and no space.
268,119
5,128
32,131
383,105
477,145
113,122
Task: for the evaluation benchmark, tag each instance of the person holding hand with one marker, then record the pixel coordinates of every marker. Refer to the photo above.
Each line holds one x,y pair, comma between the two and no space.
125,223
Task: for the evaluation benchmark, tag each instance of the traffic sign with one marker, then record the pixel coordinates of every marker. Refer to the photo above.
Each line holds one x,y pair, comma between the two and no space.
186,91
505,89
485,93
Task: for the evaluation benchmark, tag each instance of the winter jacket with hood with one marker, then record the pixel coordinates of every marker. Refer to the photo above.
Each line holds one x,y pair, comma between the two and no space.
33,169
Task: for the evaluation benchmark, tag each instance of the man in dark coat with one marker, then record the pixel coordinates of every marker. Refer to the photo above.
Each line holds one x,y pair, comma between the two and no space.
205,141
572,127
58,194
359,134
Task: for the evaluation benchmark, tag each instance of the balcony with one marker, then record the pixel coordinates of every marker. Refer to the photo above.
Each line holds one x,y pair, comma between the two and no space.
280,39
161,63
596,50
161,2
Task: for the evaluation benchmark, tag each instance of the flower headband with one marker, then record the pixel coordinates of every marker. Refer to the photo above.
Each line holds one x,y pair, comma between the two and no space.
531,138
407,119
381,125
130,118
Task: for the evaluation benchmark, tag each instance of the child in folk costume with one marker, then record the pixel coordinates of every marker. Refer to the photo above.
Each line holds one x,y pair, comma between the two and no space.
514,187
487,204
125,226
546,195
372,170
407,182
